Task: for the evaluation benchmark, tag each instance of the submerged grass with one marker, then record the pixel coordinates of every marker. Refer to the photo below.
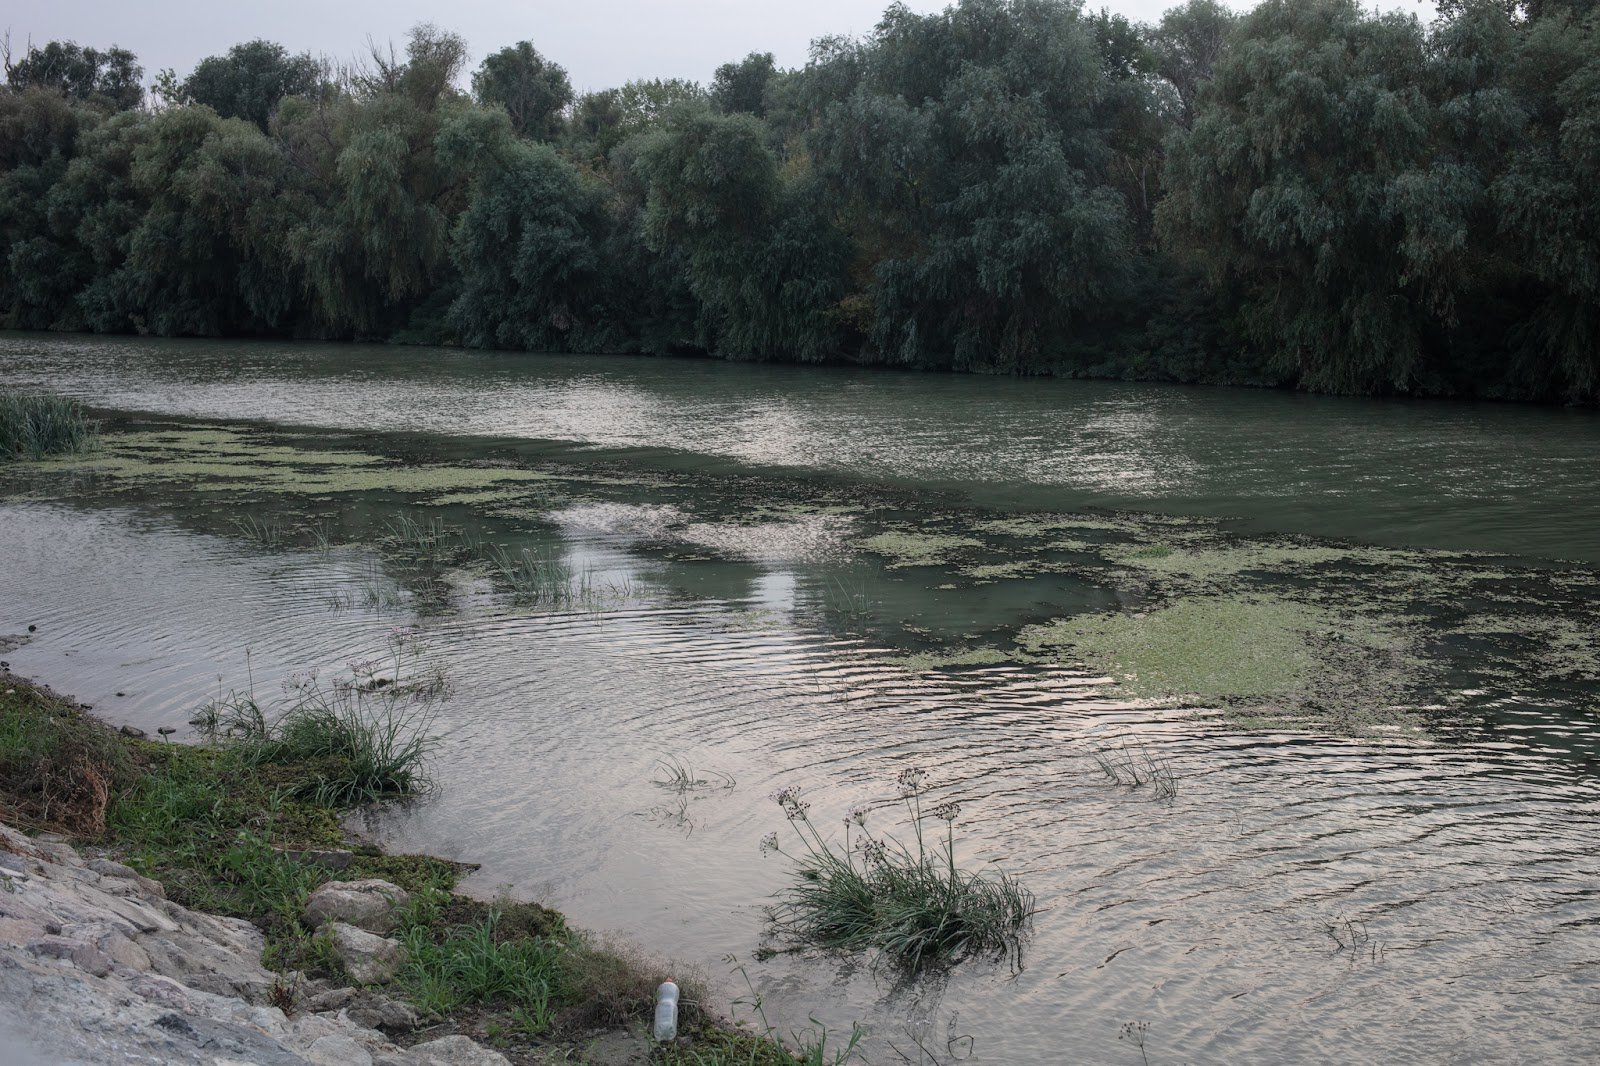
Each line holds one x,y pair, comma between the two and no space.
915,905
33,426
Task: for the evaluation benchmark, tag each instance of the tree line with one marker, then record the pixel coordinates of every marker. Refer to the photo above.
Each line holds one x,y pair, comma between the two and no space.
1309,195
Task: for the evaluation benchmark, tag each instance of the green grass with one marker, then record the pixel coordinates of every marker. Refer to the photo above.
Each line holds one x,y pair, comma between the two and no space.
213,823
472,965
33,426
912,903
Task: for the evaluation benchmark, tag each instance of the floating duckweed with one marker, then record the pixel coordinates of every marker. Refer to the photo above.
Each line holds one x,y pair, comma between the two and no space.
915,549
216,460
930,660
1233,649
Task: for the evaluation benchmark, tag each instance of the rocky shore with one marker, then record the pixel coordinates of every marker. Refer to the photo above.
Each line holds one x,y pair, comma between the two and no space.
98,966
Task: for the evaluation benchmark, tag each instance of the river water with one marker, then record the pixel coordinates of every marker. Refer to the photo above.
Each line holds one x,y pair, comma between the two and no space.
821,577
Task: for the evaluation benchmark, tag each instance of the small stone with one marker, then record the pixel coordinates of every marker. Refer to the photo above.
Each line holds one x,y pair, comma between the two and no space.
338,1051
369,959
132,731
331,1000
368,904
327,858
108,868
454,1051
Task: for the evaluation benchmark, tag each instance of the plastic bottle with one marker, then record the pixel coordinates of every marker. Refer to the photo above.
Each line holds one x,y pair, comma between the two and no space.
666,1027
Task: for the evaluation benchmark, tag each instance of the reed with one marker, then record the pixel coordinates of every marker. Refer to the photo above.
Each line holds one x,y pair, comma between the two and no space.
34,425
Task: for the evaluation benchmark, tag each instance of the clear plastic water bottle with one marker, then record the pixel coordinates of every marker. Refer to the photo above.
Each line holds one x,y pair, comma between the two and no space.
666,1027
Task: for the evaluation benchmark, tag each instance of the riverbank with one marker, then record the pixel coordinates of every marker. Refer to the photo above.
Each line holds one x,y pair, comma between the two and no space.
198,904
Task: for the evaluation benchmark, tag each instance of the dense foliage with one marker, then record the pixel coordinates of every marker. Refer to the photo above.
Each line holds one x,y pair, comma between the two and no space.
1311,194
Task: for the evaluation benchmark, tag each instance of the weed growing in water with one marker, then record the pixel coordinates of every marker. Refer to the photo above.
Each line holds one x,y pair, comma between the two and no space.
1352,937
366,734
1137,767
678,776
914,905
267,532
430,541
542,577
33,426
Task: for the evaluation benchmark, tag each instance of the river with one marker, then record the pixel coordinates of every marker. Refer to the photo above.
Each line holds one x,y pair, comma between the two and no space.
1358,637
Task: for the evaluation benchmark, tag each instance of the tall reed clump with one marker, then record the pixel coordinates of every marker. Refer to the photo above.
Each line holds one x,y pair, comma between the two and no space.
913,903
33,426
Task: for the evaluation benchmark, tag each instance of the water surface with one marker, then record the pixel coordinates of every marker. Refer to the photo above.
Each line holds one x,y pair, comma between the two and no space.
765,547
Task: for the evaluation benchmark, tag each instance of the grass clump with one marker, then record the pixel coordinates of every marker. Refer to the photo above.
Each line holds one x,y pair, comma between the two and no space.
914,904
33,426
60,768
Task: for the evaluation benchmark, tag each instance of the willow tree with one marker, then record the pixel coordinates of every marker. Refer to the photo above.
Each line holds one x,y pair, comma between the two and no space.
251,80
529,248
1307,188
39,133
534,91
761,255
967,153
373,243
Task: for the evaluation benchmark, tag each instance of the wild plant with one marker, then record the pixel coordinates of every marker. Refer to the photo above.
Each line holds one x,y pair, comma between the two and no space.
1351,936
545,578
1133,1033
267,532
1137,767
366,732
912,903
33,426
428,540
674,774
811,1047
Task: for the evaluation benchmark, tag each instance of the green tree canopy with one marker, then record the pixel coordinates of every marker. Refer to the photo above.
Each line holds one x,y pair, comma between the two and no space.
533,90
250,80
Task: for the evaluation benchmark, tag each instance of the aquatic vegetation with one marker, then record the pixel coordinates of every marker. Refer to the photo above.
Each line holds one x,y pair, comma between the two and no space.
675,775
1269,660
1352,939
1135,768
914,904
33,426
219,459
957,657
541,577
267,532
904,548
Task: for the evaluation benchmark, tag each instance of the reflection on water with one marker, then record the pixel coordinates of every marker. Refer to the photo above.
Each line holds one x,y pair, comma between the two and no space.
1300,898
1479,477
1469,869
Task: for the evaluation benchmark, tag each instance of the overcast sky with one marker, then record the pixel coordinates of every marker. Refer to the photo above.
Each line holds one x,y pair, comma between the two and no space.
602,43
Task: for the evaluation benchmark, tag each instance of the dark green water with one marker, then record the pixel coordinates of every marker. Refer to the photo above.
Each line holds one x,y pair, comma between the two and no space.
1483,477
821,577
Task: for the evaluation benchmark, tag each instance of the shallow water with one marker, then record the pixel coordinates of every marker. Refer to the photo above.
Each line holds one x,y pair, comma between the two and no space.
774,648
